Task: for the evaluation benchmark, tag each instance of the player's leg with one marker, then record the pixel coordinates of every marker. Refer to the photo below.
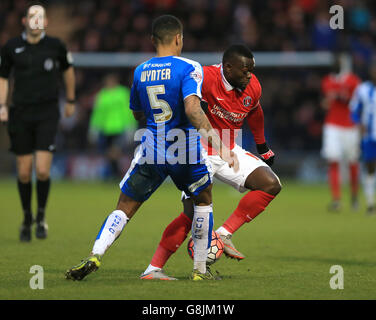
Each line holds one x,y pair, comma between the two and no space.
202,226
334,180
43,161
115,223
177,231
172,238
332,152
354,184
137,186
369,186
108,233
352,145
369,156
264,186
24,172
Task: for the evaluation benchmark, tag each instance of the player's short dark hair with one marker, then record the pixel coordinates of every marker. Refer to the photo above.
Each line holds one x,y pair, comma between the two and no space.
165,27
31,4
236,50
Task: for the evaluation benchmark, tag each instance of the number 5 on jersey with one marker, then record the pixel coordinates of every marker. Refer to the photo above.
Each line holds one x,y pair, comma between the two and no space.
155,103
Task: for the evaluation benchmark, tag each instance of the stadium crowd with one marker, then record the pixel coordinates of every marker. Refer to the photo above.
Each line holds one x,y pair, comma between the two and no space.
291,97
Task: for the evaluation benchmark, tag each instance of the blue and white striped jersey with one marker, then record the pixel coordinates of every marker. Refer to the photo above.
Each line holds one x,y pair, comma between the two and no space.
363,108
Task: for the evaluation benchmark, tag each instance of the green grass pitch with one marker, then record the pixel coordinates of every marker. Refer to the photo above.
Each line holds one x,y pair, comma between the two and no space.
290,247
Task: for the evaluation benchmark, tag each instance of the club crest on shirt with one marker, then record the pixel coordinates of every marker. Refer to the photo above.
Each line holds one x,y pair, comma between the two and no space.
247,101
48,64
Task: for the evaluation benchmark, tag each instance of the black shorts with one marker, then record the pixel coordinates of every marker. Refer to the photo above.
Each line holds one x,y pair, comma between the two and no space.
28,135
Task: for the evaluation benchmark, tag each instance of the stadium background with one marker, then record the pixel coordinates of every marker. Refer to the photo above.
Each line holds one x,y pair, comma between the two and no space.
291,95
290,248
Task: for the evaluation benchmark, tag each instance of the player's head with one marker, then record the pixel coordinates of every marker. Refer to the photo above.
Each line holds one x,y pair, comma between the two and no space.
336,66
167,31
35,19
111,80
238,63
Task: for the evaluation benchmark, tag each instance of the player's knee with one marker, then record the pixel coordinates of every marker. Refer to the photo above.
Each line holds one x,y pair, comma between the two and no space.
273,187
204,197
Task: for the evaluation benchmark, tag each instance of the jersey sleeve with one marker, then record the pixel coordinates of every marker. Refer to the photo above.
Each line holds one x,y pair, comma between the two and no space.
207,85
134,103
65,57
5,62
192,80
356,106
258,92
255,121
255,117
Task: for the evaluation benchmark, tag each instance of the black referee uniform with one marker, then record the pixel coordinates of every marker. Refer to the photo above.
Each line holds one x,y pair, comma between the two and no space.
34,112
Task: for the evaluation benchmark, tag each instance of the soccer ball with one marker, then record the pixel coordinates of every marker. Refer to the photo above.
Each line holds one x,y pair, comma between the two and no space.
214,252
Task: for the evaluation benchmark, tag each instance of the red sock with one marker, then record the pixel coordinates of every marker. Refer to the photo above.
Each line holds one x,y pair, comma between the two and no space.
173,236
354,178
334,180
249,207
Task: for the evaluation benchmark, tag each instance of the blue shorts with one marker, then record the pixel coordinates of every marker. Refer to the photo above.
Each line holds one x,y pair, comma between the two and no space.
369,150
141,180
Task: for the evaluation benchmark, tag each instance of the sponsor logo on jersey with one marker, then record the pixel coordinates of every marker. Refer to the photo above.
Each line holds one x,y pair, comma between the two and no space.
224,114
19,50
194,186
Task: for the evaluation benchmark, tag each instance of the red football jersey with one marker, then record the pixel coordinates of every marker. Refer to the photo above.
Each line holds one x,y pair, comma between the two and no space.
228,107
338,90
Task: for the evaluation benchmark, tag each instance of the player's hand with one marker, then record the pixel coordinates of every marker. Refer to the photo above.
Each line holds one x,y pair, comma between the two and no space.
69,109
3,113
266,154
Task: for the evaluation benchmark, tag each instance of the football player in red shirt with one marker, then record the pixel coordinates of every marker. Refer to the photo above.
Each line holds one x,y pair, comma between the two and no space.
231,94
341,139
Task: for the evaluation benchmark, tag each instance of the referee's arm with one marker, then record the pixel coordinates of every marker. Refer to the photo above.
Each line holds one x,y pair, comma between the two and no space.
69,81
67,69
5,68
3,99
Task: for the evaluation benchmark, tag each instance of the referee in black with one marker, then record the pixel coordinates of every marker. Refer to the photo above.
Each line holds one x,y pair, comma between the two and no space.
37,63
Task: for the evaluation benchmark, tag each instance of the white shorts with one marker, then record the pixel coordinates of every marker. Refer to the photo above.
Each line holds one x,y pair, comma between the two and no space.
340,143
247,164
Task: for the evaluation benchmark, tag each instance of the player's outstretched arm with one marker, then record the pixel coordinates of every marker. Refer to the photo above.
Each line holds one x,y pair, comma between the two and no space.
199,120
255,121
